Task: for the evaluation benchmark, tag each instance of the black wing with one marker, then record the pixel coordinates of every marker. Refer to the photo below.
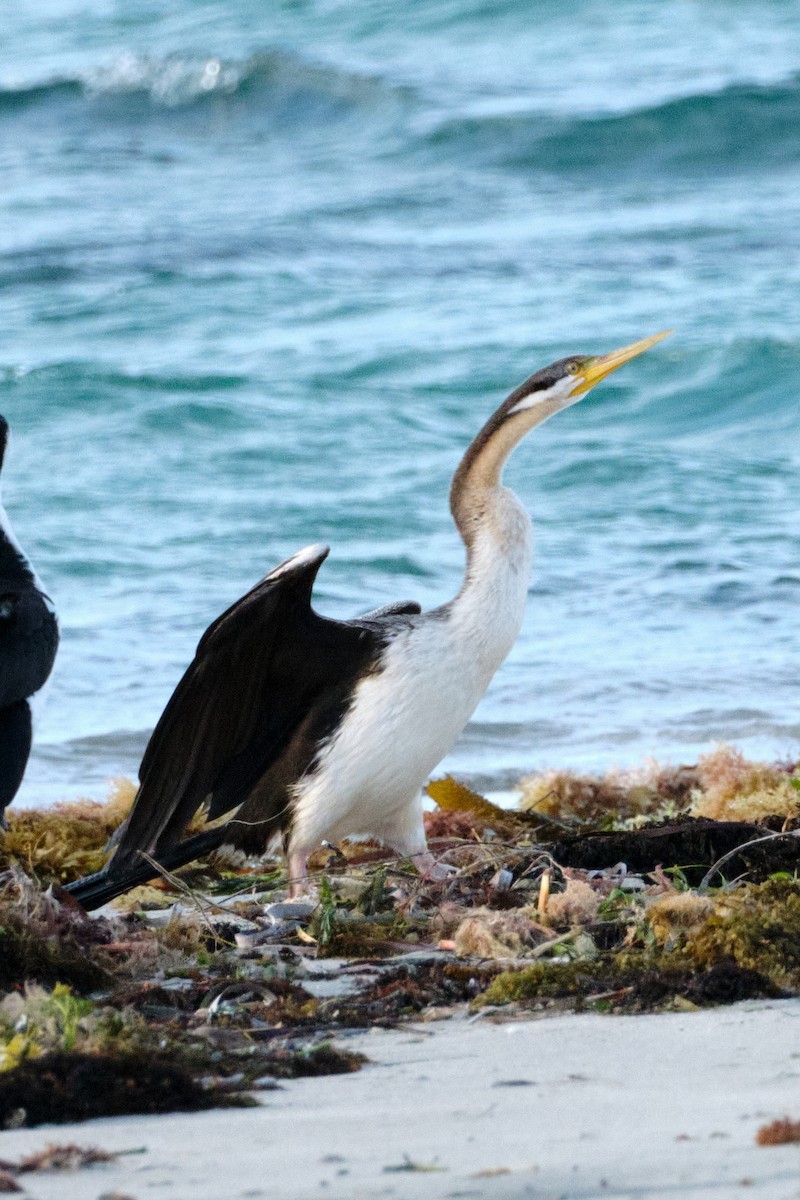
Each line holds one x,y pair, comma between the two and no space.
259,671
28,643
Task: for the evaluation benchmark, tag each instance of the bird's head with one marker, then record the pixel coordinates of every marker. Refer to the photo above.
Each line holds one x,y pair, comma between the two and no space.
568,380
539,397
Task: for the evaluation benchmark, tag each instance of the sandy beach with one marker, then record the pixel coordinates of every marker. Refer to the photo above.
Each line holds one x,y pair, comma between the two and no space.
567,1107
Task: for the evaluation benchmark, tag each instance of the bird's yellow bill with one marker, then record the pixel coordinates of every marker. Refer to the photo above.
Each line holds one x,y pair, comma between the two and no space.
597,368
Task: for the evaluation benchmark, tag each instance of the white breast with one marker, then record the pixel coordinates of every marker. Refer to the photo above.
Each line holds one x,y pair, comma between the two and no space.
405,718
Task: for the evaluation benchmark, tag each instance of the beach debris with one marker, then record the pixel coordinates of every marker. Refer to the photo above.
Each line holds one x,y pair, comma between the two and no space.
44,940
690,844
229,987
778,1133
495,1172
321,1059
35,1021
576,905
731,788
716,868
502,880
502,935
410,1165
453,796
69,1157
57,1157
279,923
723,786
571,800
67,840
298,911
757,927
64,1087
544,896
632,983
675,914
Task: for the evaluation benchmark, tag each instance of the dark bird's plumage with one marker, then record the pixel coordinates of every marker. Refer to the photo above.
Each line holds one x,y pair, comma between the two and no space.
28,644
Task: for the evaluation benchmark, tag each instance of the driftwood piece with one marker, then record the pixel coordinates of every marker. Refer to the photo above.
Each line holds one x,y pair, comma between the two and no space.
693,844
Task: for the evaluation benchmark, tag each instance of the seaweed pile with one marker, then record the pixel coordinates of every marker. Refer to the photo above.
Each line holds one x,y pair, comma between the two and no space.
670,888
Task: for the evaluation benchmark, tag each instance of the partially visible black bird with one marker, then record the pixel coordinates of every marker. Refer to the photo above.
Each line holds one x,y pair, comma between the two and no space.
28,644
315,729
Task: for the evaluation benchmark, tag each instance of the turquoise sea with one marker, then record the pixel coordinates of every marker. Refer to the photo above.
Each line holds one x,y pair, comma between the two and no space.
266,268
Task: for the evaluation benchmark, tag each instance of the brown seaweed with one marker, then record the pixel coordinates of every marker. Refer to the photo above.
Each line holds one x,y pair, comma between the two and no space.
693,844
61,1087
779,1133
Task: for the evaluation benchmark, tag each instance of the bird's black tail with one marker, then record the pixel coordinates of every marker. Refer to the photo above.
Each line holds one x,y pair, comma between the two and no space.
95,890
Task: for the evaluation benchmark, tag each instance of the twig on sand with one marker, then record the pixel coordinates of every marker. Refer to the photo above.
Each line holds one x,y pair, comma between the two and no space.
204,904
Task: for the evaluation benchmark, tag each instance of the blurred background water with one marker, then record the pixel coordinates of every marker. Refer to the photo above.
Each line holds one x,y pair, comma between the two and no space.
265,269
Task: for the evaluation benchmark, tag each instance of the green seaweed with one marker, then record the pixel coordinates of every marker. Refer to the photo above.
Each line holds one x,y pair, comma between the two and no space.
376,896
324,924
757,926
632,981
352,936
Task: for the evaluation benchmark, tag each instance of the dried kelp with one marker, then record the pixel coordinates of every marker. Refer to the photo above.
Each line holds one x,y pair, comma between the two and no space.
733,789
692,844
723,785
451,796
61,843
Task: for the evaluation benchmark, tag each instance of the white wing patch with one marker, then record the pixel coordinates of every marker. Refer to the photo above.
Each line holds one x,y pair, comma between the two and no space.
304,557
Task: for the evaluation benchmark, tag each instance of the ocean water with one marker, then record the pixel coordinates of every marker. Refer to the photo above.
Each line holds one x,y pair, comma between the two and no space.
264,271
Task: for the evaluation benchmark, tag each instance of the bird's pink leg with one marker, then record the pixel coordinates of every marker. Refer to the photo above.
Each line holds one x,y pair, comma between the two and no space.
406,836
296,863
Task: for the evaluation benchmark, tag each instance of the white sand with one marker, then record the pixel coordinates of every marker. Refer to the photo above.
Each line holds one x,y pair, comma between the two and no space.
654,1107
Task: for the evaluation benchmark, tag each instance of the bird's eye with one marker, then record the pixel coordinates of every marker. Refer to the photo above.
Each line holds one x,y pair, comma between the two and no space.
572,368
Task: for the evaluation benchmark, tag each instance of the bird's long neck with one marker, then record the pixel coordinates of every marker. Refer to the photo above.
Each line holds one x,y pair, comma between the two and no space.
477,484
496,531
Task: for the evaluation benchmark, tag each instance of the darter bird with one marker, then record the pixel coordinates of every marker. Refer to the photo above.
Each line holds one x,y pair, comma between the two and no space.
314,729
